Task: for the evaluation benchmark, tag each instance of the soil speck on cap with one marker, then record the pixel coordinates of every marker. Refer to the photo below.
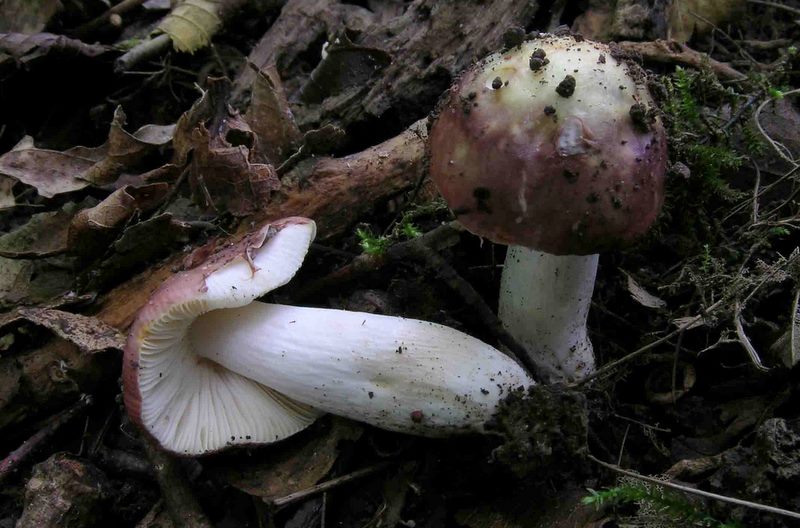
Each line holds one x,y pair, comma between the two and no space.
566,87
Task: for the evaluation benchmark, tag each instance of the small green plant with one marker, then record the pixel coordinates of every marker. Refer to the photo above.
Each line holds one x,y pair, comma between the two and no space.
408,229
657,507
370,243
779,231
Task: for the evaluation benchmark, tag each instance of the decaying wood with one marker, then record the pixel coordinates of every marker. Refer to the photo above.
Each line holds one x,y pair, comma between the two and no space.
332,191
429,43
300,24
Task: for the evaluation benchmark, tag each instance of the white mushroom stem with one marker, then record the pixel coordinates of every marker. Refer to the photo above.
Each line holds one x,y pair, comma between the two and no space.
395,373
544,303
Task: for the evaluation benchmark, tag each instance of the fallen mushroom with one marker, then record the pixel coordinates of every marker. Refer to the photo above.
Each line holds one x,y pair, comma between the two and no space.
554,148
206,367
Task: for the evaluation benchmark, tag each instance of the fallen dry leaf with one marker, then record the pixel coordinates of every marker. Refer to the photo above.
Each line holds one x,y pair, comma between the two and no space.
87,333
271,119
224,174
52,172
136,246
642,296
91,230
7,199
289,466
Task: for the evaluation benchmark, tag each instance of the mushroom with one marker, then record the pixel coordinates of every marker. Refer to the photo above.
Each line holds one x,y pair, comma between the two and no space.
554,148
206,366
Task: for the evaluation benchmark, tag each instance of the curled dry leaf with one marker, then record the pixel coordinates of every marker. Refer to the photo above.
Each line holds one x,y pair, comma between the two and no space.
52,172
92,229
291,466
87,333
192,23
224,178
137,245
225,174
642,296
271,119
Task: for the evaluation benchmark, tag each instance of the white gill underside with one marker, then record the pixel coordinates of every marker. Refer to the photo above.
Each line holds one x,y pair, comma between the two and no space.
398,374
544,303
201,407
193,406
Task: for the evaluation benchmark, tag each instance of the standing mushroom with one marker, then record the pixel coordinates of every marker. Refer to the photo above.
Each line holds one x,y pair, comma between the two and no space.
554,148
206,367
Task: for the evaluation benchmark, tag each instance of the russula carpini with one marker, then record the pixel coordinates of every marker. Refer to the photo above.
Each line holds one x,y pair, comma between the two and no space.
553,147
206,366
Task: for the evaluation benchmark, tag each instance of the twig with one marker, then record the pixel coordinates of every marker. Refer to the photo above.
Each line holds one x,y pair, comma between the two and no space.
776,5
694,491
779,148
674,52
328,485
745,341
10,463
147,49
180,501
608,367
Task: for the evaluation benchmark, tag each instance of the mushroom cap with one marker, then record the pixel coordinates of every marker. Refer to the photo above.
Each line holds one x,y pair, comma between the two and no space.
187,403
564,153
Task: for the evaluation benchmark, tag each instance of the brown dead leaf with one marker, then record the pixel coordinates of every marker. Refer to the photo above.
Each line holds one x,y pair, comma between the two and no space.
53,172
290,466
49,171
224,174
88,333
271,119
91,230
137,245
224,179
